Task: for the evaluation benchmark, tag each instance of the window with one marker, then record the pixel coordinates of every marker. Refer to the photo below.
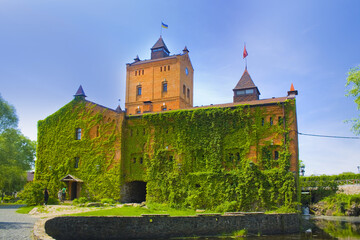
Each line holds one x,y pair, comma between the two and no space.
160,69
271,121
164,108
262,121
280,120
76,165
240,92
138,92
244,92
165,68
142,72
135,73
164,87
169,68
134,160
97,131
78,134
138,111
141,160
276,155
184,89
188,93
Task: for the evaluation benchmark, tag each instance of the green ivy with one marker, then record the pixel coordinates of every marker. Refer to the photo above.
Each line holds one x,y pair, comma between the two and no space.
57,149
198,158
194,158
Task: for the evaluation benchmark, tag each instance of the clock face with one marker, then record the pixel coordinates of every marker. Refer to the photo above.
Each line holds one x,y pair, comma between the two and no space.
186,71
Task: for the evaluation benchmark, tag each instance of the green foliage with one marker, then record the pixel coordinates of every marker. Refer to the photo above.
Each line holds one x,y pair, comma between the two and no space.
58,149
108,201
137,211
199,158
195,159
33,193
8,118
25,210
353,80
17,152
338,204
240,233
79,201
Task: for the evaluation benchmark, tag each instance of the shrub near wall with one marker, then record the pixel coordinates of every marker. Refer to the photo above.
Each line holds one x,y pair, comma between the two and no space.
200,158
57,149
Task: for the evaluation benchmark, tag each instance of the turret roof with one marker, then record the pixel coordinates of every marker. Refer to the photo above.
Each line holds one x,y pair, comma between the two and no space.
80,92
160,44
245,81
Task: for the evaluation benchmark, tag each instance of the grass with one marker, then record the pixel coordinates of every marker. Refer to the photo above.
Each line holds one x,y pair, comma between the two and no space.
25,210
137,211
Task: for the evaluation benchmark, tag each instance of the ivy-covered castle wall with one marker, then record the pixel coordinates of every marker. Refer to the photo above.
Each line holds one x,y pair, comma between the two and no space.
95,158
242,157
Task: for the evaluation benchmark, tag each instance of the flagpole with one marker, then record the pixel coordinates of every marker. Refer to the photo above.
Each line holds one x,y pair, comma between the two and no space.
161,29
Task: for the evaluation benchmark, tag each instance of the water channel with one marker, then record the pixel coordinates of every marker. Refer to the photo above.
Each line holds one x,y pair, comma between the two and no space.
322,227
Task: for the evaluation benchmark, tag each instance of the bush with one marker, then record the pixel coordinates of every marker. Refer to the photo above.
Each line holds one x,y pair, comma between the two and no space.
109,201
227,207
33,193
78,201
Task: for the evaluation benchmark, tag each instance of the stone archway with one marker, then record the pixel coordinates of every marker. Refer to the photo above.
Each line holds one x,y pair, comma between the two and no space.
134,192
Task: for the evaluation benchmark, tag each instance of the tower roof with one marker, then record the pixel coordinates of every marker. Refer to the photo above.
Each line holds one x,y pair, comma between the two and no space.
160,44
245,81
80,92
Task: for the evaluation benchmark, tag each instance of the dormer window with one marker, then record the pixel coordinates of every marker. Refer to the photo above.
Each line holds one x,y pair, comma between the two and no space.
78,134
244,92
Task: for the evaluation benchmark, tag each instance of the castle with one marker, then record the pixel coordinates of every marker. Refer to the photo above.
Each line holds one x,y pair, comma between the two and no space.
240,155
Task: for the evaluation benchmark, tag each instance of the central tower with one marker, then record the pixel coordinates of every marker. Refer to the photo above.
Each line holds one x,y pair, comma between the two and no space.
164,82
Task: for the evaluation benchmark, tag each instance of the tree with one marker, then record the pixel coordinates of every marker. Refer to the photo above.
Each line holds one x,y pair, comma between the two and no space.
353,80
17,152
8,118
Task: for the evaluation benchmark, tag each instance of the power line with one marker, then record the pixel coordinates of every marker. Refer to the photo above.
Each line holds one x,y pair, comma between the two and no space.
325,136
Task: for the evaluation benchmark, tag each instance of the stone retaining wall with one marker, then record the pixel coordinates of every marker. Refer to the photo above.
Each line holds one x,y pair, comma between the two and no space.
163,226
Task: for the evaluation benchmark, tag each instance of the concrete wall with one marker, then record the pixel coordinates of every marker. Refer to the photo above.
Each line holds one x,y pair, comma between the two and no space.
162,226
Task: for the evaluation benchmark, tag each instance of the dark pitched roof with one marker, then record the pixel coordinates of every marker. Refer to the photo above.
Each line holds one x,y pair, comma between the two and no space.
70,178
245,81
152,60
160,44
261,102
80,92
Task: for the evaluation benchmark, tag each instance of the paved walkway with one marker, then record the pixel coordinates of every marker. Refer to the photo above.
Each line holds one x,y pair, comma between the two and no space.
14,225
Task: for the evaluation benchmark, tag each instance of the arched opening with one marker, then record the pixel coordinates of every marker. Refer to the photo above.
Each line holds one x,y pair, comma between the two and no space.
134,192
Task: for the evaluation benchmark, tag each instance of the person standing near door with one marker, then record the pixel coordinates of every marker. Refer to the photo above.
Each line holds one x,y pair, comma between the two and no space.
46,196
64,193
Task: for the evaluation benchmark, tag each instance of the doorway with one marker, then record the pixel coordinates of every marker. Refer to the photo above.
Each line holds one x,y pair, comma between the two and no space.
134,192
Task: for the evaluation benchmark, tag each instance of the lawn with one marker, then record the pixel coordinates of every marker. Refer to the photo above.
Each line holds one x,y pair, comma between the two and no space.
137,211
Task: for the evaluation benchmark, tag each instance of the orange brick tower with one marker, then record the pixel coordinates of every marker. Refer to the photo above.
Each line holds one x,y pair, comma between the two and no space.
164,82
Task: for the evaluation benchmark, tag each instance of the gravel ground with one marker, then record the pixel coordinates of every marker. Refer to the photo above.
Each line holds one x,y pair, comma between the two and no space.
14,225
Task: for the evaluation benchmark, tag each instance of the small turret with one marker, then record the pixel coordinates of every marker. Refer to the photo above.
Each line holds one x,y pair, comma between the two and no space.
159,50
80,94
292,93
185,50
245,89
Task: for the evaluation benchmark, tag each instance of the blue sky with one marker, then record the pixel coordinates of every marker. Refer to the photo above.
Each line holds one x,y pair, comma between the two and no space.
48,48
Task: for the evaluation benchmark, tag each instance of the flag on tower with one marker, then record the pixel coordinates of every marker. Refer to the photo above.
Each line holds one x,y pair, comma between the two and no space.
164,25
245,52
